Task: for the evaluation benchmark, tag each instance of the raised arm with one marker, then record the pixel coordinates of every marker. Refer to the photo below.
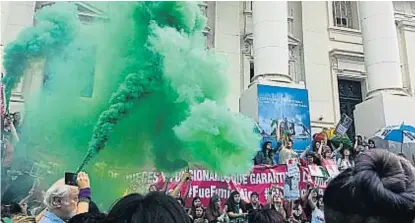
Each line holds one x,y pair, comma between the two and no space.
184,179
304,152
186,195
311,202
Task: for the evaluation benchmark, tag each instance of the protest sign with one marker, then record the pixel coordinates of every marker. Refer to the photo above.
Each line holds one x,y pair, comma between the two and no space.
292,181
316,171
343,125
331,167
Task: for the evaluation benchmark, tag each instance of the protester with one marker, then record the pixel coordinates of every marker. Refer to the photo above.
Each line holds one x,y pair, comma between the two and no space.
9,211
196,203
198,215
9,139
298,212
214,213
64,201
277,204
153,188
265,216
316,145
236,208
266,155
287,152
305,201
345,161
380,188
254,202
371,144
317,205
326,154
186,178
310,158
360,144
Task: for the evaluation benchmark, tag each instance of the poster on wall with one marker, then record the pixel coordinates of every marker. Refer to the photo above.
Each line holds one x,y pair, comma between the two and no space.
284,110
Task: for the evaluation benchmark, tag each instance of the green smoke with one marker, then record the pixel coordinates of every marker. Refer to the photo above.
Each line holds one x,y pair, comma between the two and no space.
157,95
54,29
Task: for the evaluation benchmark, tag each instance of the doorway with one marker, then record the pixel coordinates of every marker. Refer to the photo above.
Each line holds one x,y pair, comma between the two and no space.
350,94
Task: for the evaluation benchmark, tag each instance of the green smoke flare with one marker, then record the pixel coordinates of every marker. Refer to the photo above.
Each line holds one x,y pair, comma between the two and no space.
156,96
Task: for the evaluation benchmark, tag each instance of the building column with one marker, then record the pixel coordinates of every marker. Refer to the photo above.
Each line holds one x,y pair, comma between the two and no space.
380,44
270,32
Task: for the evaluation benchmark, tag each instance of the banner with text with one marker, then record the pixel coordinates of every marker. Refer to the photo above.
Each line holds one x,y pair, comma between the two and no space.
205,183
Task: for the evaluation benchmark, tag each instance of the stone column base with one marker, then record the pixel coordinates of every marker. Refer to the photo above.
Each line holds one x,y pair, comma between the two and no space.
382,110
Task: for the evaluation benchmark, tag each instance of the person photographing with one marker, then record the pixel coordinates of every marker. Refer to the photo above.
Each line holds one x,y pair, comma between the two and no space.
65,201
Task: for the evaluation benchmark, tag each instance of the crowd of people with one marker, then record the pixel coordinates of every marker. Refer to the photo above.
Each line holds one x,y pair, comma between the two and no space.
319,151
379,188
374,186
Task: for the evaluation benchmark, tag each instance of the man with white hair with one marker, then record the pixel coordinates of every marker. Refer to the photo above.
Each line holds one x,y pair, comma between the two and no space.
64,201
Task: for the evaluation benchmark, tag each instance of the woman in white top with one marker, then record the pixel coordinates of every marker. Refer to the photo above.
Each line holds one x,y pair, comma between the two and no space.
317,216
345,161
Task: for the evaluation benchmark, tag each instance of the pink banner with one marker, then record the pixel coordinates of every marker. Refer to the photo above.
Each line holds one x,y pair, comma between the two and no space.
205,183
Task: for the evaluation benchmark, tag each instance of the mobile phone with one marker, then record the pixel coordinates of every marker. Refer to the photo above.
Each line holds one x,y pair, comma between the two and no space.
70,179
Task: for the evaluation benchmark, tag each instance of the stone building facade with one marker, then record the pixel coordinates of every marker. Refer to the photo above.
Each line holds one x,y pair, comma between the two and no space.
352,57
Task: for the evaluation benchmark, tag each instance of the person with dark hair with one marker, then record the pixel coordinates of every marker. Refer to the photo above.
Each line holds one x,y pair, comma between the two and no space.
254,204
345,161
298,213
153,188
276,203
135,208
196,202
359,144
236,207
380,188
214,213
265,216
266,155
308,157
317,207
198,215
371,144
305,201
11,209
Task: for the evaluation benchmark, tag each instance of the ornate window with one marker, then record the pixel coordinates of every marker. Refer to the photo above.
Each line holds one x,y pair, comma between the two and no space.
345,14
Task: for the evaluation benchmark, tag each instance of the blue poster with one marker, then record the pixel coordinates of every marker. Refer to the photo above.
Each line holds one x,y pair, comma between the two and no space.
285,110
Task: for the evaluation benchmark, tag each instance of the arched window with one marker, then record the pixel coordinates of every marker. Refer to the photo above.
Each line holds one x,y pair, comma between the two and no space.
345,14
